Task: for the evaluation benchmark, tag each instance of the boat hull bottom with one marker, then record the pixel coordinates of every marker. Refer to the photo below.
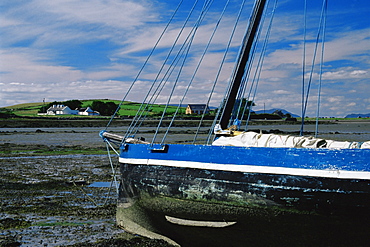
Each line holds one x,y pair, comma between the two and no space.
151,195
264,227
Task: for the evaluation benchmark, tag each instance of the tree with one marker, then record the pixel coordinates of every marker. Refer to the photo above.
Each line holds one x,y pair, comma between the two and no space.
105,109
73,104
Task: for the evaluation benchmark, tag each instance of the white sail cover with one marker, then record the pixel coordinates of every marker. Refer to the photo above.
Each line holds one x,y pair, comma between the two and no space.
253,139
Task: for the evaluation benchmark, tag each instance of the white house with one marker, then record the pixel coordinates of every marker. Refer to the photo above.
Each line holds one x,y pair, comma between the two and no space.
61,110
65,110
88,112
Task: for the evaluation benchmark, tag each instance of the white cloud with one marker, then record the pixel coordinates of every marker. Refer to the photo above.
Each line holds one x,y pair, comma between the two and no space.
113,13
27,65
34,33
41,23
345,73
281,92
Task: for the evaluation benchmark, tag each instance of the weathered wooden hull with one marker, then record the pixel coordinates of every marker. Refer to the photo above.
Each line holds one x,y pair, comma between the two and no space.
256,204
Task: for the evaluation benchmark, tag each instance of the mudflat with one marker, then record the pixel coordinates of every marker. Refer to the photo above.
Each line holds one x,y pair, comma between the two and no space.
58,193
57,186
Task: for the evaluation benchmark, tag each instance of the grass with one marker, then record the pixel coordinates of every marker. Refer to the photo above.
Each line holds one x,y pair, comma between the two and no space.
130,109
29,109
127,109
26,105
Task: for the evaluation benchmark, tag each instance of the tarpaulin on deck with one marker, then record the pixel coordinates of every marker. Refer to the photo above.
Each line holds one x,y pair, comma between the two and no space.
253,139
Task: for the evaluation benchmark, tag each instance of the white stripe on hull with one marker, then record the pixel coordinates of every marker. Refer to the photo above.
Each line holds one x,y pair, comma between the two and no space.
198,223
341,174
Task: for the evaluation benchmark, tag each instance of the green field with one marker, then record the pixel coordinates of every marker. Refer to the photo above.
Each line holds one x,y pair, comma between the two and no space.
127,109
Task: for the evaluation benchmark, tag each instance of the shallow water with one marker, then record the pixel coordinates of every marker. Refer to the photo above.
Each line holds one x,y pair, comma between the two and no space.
103,184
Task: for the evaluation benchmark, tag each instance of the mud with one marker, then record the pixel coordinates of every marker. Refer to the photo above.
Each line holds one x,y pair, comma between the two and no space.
50,200
47,179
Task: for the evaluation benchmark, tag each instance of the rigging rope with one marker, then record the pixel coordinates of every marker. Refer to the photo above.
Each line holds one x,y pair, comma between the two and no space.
242,62
173,64
245,80
136,121
145,63
210,133
182,51
321,71
323,12
108,144
303,63
195,72
205,9
111,164
260,64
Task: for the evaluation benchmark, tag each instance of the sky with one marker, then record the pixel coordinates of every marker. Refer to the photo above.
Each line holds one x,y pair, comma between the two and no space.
94,49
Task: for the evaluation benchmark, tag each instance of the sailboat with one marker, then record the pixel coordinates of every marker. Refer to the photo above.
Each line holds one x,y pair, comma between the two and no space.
239,187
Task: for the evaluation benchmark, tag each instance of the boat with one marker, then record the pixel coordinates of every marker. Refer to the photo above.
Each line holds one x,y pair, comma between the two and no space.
239,187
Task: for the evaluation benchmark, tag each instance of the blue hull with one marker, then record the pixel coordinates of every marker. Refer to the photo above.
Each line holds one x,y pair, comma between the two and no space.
234,184
331,163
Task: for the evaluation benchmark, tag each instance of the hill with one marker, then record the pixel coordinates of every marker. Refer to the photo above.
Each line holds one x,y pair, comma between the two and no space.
355,115
127,108
274,110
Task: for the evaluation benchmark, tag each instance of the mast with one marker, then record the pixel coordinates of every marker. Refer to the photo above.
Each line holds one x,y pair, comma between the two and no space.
242,62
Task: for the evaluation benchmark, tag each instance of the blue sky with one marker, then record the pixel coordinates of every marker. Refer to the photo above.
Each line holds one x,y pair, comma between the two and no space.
78,49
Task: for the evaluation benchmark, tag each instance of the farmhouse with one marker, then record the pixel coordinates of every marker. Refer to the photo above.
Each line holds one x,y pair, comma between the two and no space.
87,112
197,109
65,110
60,110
